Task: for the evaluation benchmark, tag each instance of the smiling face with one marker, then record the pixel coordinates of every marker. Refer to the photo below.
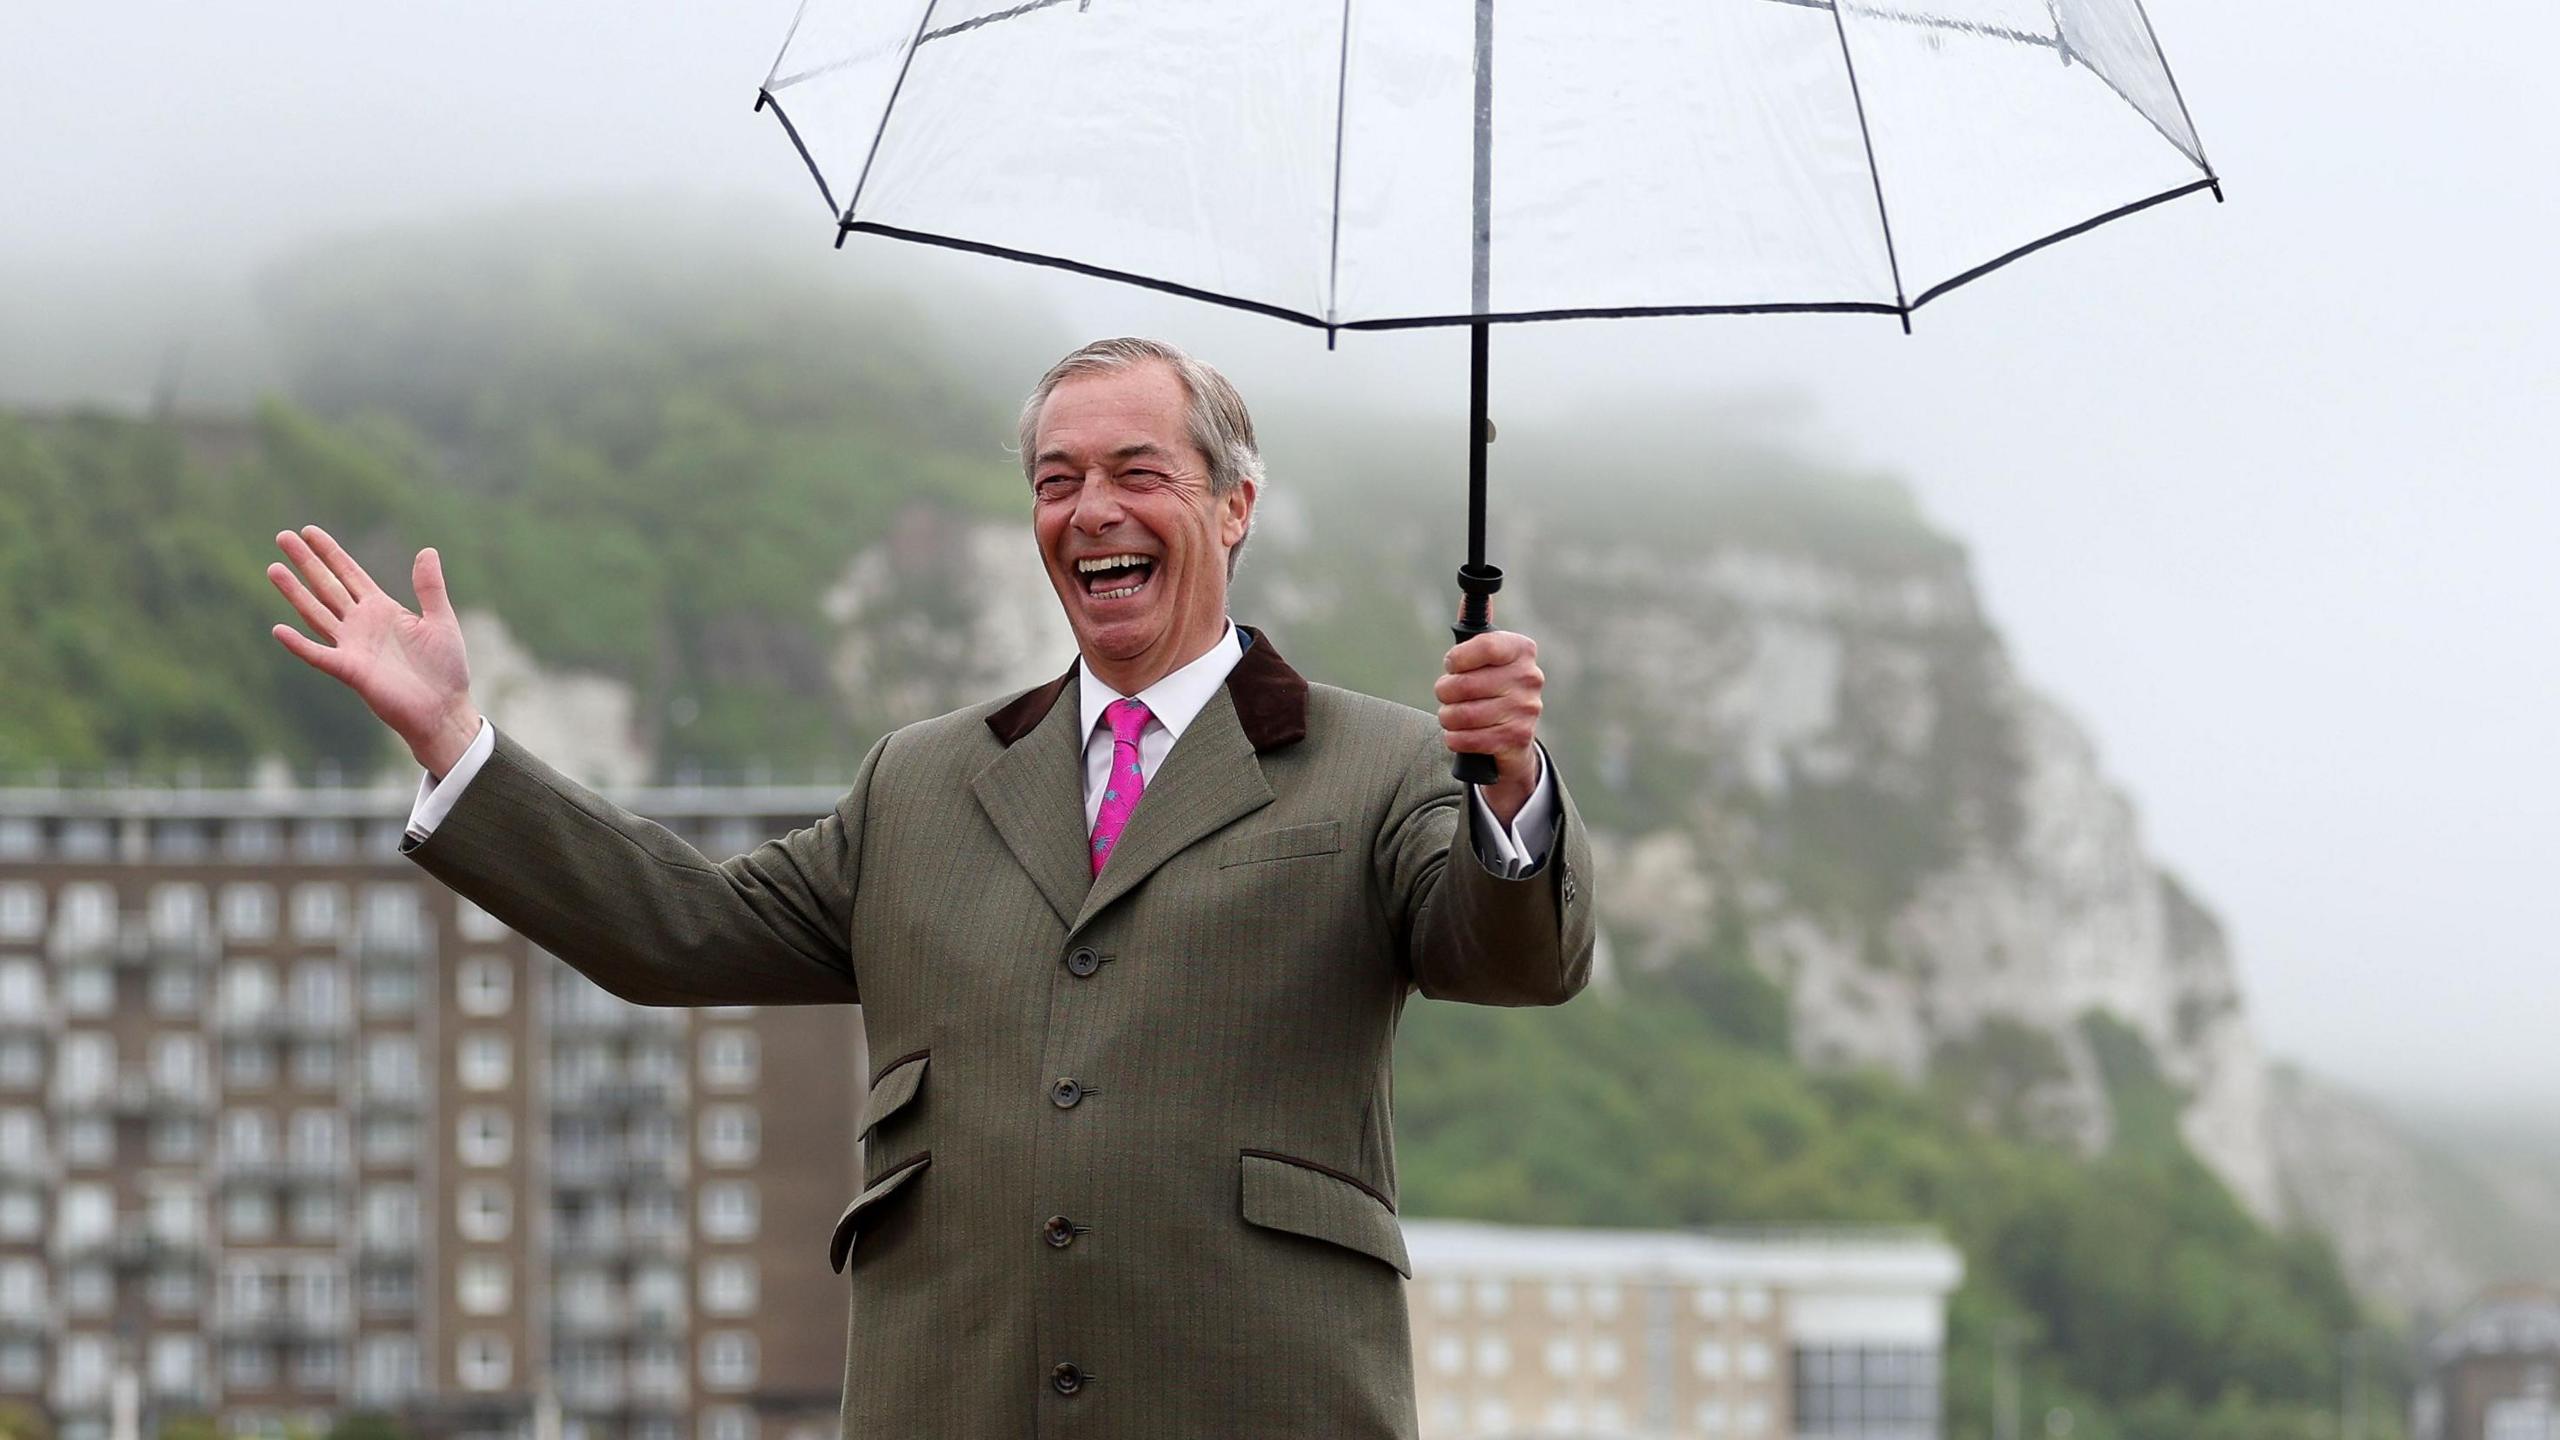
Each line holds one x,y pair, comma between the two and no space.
1134,541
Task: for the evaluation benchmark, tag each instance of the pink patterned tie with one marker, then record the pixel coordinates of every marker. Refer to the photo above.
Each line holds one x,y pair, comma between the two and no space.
1126,784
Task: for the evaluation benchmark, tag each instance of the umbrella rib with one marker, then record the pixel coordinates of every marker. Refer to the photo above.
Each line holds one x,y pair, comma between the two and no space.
962,27
1936,22
1866,136
923,22
1341,100
2176,94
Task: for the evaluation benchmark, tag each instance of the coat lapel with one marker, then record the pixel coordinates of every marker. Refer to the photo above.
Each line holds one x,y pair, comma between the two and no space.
1034,794
1210,778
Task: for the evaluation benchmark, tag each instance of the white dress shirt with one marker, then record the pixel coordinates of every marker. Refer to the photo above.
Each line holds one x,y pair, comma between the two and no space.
1512,852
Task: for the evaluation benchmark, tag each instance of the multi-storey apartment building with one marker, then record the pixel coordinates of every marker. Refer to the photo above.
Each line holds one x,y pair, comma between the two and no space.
287,1130
2493,1370
1523,1331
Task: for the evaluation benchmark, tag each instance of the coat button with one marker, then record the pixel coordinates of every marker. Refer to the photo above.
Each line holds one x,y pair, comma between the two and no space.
1065,1094
1082,962
1060,1232
1066,1379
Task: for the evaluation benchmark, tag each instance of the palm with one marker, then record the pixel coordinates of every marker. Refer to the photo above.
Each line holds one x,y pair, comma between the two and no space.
406,665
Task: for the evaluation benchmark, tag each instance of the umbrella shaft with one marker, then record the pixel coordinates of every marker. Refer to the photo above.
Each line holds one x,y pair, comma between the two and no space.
1479,435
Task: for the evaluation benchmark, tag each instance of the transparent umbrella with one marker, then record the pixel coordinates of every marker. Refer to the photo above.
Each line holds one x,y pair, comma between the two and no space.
1395,164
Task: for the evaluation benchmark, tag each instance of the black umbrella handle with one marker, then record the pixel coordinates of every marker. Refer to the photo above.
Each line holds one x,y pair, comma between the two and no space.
1476,584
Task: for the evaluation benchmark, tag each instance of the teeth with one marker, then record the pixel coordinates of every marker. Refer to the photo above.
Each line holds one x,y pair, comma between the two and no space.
1109,562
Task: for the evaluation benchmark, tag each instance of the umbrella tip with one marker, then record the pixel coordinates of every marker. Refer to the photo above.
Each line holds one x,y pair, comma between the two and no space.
764,97
2216,182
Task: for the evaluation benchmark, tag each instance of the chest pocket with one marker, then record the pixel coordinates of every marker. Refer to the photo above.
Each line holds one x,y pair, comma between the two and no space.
1292,842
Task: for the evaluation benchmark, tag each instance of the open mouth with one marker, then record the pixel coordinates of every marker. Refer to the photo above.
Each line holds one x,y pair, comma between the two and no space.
1115,577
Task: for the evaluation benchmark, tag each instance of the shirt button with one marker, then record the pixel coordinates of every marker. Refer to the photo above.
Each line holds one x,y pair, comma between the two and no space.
1060,1232
1066,1379
1065,1094
1082,962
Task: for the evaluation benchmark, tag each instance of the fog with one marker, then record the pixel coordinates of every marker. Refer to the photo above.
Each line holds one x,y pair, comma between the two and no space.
2262,490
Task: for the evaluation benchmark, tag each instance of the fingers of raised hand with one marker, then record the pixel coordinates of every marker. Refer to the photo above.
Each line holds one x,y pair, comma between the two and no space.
319,657
340,563
311,571
313,613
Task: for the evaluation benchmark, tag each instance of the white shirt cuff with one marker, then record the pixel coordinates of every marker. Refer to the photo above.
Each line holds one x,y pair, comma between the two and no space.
436,800
1519,850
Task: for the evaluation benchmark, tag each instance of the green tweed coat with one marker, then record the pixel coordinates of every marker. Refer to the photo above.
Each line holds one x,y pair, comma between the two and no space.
1130,1168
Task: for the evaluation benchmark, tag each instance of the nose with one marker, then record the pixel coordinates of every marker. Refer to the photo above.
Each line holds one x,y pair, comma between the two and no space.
1097,504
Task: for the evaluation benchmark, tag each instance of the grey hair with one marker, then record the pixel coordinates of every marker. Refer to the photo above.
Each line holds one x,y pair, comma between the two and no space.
1220,427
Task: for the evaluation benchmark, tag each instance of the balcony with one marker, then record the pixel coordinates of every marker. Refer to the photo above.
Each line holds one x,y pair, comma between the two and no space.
277,1324
141,1096
613,1093
380,1249
598,1322
389,945
390,1097
611,1169
24,1322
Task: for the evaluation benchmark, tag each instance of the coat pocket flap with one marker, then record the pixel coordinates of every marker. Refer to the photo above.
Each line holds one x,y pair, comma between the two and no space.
849,1224
896,1086
1324,837
1281,1193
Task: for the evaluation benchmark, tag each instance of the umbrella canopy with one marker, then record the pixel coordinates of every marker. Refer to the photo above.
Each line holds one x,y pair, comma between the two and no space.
1432,162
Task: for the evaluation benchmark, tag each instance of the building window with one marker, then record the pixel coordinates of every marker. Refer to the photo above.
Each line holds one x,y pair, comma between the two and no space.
22,1289
248,1367
315,1064
728,1360
86,840
1608,1357
319,1367
176,1138
1449,1354
1563,1359
390,1139
177,1063
1754,1304
176,990
483,1362
88,990
728,1422
483,985
249,912
386,1370
319,992
324,839
315,1215
1752,1418
729,1286
730,1134
482,1136
177,1362
484,1211
248,988
729,1059
390,1291
320,1138
1859,1390
88,1290
21,1062
176,1292
21,1215
249,1215
1715,1418
21,990
21,910
481,1287
390,989
88,1140
1714,1361
1493,1355
1605,1297
252,840
1755,1360
484,1060
729,1210
1493,1297
319,911
21,838
248,1064
475,923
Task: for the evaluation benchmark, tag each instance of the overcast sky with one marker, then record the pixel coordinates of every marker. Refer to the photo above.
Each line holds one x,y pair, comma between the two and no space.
2263,491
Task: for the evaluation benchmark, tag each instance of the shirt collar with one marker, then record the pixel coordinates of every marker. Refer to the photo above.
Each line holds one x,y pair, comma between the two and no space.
1174,701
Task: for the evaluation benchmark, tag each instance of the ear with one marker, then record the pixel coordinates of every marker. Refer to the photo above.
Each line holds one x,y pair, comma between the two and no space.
1235,513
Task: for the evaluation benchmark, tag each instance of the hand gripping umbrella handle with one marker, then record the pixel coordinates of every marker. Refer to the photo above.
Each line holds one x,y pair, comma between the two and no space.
1476,584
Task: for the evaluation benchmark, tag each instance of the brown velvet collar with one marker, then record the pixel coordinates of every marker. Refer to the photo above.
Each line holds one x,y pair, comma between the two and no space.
1270,699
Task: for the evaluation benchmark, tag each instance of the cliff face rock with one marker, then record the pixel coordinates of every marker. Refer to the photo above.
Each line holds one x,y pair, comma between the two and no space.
584,724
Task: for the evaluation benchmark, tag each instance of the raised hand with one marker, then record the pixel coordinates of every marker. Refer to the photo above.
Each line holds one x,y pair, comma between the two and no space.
406,666
1490,698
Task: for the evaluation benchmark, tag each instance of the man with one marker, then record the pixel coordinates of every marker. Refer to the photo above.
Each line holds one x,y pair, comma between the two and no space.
1131,949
